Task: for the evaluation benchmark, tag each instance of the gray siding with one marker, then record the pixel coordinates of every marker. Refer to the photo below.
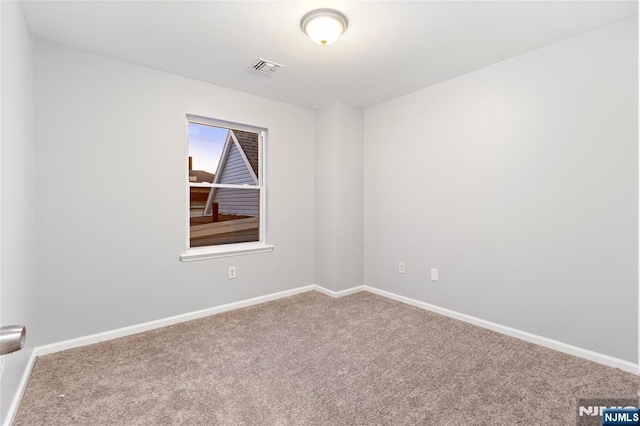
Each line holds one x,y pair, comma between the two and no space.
238,201
235,169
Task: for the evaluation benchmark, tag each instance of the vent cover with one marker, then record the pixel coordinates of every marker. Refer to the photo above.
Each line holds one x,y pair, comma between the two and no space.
264,66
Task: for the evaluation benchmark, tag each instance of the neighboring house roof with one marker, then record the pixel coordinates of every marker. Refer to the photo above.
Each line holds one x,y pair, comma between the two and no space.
249,143
238,165
202,176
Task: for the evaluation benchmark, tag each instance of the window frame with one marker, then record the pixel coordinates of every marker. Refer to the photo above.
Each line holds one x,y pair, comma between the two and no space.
231,249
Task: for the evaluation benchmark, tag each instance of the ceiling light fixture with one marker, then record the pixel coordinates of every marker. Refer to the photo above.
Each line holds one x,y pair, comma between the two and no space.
324,26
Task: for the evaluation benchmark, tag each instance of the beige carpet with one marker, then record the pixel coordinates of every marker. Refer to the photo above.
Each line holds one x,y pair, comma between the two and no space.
314,360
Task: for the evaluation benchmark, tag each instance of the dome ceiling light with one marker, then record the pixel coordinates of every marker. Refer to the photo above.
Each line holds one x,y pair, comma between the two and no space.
324,26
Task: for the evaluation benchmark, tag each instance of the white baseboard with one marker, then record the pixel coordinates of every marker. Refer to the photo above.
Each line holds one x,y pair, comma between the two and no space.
607,360
337,294
139,328
523,335
13,408
151,325
135,329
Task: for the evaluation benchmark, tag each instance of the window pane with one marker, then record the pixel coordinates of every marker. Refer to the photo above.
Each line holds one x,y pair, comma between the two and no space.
198,198
231,216
205,149
231,154
240,163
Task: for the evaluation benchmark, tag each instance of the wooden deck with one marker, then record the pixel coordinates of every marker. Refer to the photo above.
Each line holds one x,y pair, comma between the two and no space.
225,232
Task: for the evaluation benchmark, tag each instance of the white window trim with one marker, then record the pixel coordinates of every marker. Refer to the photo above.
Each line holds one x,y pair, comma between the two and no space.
226,250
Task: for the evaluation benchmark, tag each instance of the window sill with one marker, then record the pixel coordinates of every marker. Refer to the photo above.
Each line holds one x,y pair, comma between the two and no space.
216,252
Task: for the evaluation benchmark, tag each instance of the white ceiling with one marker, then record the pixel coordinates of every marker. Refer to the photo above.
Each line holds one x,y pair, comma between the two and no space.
390,48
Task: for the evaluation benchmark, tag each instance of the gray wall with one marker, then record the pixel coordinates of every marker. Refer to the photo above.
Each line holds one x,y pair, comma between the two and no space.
339,192
519,182
16,229
111,195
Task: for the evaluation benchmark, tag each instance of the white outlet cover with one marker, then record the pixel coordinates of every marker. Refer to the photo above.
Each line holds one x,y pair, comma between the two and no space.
434,274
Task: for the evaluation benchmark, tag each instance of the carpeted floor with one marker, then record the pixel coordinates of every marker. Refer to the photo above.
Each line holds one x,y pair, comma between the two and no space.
313,360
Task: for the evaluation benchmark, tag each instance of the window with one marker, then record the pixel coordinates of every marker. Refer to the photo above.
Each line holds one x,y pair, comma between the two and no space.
226,189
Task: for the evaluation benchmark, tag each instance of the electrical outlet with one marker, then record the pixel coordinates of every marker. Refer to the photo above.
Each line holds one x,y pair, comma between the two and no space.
401,268
1,366
232,272
434,274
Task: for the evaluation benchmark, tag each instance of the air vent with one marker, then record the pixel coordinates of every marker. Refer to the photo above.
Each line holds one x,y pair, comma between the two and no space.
265,67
